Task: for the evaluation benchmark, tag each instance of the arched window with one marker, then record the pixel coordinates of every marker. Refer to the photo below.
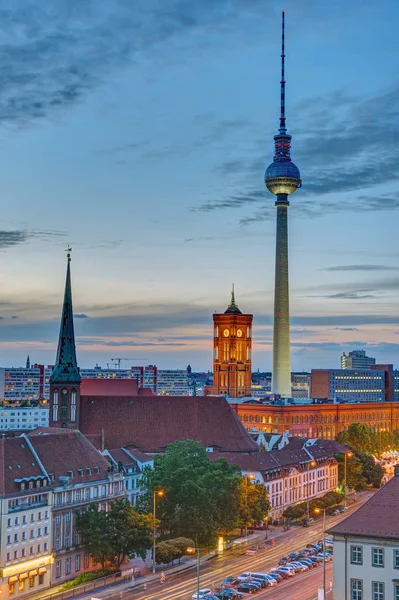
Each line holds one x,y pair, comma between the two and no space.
64,405
55,405
73,405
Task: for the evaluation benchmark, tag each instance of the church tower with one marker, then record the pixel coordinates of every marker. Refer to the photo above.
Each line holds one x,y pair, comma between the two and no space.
65,378
232,348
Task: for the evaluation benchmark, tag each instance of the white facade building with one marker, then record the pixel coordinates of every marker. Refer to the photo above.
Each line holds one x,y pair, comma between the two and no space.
131,463
22,419
356,359
366,548
172,382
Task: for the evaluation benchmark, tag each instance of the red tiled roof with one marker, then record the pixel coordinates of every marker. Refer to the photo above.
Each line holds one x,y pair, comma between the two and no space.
16,462
109,387
61,450
151,423
378,517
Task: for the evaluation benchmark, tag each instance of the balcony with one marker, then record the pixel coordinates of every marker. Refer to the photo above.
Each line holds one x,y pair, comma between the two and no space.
27,506
97,500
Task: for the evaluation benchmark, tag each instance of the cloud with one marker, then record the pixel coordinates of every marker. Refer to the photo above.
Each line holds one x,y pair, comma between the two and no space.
56,52
361,268
9,239
355,295
345,329
80,316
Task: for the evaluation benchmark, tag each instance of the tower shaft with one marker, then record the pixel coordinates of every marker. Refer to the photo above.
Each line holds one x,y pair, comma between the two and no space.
281,374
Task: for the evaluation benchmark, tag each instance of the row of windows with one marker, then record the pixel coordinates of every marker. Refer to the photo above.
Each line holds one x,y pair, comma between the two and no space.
40,531
23,553
68,565
377,556
21,584
354,418
24,520
377,590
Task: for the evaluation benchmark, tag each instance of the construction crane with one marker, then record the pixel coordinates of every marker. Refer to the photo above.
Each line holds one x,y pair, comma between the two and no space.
117,361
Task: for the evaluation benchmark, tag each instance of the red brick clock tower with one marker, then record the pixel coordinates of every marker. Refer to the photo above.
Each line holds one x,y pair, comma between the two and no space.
232,349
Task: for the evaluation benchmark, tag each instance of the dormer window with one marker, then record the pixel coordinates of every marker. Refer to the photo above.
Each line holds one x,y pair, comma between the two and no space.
88,470
97,469
22,485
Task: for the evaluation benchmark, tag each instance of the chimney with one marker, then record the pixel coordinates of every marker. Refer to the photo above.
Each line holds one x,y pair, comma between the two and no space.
396,470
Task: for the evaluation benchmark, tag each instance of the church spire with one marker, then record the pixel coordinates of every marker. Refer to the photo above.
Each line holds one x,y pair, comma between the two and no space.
232,308
66,368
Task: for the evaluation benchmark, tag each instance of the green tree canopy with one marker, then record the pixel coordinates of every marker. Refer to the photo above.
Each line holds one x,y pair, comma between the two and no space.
371,471
359,437
201,497
114,535
354,476
254,502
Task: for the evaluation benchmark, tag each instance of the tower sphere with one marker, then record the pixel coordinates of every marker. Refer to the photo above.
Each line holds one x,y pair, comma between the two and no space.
282,177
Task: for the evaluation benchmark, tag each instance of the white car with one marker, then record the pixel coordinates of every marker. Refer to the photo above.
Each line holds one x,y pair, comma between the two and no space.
244,577
202,594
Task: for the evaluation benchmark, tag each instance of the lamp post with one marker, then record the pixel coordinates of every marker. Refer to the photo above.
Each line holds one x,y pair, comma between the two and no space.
318,511
250,476
192,551
312,463
156,493
349,455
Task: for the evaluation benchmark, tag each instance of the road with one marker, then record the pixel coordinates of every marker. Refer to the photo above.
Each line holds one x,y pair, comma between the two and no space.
303,586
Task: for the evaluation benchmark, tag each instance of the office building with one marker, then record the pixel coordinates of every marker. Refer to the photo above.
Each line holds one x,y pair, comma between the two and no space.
23,418
22,384
282,178
360,385
145,376
172,382
366,548
356,359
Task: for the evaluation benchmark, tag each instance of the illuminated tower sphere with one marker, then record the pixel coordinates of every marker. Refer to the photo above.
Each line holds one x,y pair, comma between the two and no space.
282,178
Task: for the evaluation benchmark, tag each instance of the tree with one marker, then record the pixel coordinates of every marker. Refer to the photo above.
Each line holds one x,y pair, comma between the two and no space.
359,437
92,524
332,499
201,497
295,512
254,502
130,533
166,552
117,534
354,477
371,471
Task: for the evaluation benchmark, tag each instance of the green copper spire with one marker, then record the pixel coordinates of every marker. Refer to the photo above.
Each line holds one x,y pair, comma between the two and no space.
232,308
66,368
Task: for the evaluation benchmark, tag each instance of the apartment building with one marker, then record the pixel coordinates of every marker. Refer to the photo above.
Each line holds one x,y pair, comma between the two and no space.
300,470
48,477
23,418
131,463
172,382
366,548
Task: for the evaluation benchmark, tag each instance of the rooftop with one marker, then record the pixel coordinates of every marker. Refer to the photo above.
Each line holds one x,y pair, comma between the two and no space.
378,517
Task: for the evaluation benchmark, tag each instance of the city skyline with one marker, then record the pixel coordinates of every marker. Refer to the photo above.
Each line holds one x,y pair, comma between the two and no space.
145,152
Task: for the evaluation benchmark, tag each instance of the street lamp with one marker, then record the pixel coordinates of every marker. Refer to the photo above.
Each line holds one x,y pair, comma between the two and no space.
349,455
318,511
250,476
191,550
312,463
159,493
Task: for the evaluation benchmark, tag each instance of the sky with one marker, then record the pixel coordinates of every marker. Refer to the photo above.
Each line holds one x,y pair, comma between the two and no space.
139,133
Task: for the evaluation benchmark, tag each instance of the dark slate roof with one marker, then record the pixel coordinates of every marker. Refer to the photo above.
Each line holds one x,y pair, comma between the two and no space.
66,367
378,517
109,387
16,462
151,423
61,450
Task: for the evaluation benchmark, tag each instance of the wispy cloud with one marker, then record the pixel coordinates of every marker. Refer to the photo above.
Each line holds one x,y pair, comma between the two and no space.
21,236
361,268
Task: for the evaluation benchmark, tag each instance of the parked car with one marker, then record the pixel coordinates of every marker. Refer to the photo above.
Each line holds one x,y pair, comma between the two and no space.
290,572
244,577
228,594
276,576
230,581
257,581
308,562
247,588
204,593
283,560
283,574
265,577
308,522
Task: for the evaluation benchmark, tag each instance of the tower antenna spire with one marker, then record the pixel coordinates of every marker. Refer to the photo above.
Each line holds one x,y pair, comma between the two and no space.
282,82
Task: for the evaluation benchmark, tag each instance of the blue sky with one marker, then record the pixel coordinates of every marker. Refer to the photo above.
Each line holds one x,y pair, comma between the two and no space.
138,132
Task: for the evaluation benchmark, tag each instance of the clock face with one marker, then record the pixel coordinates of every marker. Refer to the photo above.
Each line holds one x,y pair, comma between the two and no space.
226,333
239,333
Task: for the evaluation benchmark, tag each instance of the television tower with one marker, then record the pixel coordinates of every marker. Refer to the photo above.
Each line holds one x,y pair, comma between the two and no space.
282,178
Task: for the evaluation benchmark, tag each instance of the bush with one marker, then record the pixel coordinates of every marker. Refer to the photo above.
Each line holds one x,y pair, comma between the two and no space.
86,578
